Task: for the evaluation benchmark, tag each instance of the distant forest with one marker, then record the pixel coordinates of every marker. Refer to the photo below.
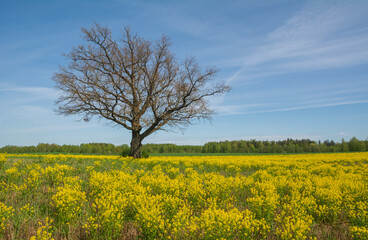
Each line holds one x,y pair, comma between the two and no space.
241,146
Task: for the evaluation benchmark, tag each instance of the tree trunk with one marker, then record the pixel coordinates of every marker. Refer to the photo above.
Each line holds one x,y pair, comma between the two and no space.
136,145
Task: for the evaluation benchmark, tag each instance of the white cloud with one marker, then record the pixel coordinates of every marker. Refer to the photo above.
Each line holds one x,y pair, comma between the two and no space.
14,96
323,35
45,91
243,109
238,109
43,129
313,106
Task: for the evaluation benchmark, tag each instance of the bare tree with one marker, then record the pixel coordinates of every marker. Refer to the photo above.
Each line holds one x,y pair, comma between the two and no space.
134,83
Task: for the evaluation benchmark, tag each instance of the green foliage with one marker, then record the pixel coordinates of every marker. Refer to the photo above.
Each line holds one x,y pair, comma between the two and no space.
126,152
145,154
223,147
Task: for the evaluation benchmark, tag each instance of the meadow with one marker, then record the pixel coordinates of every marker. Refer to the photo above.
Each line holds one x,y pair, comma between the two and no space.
304,196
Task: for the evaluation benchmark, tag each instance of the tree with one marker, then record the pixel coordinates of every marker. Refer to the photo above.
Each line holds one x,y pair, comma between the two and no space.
355,145
134,83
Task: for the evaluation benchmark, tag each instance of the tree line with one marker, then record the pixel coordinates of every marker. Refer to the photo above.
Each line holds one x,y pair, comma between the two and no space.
239,146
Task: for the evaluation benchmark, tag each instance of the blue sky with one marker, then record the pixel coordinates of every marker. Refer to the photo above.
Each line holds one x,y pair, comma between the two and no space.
298,69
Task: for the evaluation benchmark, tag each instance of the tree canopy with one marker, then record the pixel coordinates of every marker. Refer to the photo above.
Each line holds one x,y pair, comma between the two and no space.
134,83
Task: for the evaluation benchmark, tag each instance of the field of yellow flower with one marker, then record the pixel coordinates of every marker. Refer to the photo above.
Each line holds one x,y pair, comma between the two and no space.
306,196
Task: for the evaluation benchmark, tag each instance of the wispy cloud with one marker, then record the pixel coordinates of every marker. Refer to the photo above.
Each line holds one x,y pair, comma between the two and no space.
32,90
238,109
52,128
323,35
23,105
313,106
243,109
15,95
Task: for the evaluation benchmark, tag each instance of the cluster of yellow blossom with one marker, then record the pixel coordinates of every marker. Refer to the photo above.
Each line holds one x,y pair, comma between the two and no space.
199,197
44,232
27,211
6,212
2,159
69,197
56,174
68,201
359,232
